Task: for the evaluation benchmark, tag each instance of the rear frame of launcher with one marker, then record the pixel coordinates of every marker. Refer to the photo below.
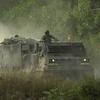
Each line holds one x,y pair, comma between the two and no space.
18,54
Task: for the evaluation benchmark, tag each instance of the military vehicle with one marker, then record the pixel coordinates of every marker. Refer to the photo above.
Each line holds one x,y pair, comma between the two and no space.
66,59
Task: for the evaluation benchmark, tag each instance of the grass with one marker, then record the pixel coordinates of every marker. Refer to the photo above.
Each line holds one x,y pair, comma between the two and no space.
25,86
21,86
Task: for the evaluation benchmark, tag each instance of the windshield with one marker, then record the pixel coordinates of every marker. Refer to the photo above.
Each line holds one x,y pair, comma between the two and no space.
70,49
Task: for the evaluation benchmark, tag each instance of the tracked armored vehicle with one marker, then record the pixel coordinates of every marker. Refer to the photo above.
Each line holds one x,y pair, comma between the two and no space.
66,59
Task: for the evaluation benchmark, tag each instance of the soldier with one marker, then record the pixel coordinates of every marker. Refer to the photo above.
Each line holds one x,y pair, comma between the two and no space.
47,38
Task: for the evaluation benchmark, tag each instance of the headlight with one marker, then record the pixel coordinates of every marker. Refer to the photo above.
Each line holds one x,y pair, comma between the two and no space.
85,59
51,60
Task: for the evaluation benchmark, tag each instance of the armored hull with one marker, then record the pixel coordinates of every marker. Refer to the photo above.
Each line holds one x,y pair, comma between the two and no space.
66,59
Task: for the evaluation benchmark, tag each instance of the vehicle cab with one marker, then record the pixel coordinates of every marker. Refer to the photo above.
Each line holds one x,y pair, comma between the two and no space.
67,59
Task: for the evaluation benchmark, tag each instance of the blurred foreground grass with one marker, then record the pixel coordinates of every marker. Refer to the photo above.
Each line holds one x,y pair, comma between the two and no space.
25,86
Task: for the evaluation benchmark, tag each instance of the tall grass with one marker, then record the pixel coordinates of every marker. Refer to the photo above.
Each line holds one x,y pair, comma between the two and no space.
21,86
25,86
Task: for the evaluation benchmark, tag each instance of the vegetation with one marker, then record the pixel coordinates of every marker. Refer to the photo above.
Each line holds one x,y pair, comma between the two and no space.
63,18
21,86
74,17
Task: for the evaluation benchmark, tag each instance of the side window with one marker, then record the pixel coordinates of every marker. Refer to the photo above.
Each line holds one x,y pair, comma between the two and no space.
31,48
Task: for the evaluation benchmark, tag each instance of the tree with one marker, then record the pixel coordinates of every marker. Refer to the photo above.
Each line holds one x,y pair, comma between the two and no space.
85,17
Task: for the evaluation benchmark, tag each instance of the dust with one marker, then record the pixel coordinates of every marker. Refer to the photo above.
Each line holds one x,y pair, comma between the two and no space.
4,32
7,31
